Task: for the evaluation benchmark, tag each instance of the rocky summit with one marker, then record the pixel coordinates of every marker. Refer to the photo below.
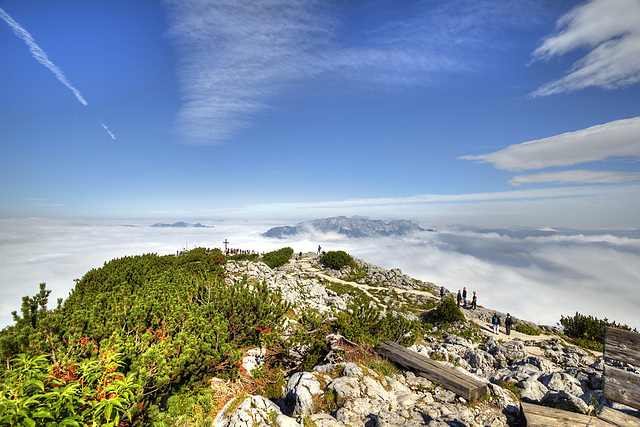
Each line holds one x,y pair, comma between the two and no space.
345,388
357,227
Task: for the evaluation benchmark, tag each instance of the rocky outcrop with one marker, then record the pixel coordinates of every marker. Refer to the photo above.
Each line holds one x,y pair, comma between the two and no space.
341,394
544,371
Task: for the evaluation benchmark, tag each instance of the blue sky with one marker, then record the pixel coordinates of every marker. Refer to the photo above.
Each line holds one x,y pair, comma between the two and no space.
496,112
467,116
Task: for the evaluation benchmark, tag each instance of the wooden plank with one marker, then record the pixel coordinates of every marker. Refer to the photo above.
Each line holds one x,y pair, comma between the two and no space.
618,418
542,416
450,378
457,382
424,365
621,386
622,345
418,361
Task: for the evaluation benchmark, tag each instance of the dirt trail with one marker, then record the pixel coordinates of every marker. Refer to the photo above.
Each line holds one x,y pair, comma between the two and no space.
305,264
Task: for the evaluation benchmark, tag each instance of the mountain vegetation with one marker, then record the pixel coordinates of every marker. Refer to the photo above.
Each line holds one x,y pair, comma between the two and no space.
158,323
337,259
148,340
588,331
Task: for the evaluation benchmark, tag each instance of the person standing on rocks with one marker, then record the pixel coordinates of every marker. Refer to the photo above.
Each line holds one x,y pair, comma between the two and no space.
442,292
459,298
464,296
319,250
474,301
495,321
508,321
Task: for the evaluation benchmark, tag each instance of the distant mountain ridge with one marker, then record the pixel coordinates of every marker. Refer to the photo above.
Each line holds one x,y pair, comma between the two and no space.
180,225
357,227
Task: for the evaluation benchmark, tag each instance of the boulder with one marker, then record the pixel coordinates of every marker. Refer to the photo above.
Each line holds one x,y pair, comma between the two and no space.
565,401
325,420
299,392
253,411
558,381
374,389
532,390
507,352
345,387
254,359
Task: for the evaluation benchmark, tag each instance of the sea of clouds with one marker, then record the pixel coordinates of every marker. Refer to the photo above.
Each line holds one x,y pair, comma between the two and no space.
537,275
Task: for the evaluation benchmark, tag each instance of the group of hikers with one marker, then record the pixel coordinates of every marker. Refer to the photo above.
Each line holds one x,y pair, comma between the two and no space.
461,298
235,251
495,320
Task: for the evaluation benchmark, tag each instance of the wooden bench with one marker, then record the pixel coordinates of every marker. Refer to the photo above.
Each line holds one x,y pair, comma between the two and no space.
619,385
444,375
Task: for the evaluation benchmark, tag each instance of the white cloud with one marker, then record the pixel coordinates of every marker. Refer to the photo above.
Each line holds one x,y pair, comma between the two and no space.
587,206
108,131
56,251
536,275
620,138
236,56
40,54
576,176
610,29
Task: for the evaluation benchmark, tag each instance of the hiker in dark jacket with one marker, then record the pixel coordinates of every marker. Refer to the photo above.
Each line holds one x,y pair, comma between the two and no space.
474,301
459,297
508,321
495,321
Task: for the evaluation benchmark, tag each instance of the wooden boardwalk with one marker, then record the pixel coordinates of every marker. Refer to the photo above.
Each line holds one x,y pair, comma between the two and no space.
619,385
444,375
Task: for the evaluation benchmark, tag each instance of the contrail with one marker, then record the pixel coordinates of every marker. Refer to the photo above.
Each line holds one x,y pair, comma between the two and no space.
108,131
39,54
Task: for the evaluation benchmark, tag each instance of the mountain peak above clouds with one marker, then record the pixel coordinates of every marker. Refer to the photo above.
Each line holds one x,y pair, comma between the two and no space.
357,226
180,225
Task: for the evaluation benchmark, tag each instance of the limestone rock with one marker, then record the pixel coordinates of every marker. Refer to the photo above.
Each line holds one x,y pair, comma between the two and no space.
299,392
565,401
253,411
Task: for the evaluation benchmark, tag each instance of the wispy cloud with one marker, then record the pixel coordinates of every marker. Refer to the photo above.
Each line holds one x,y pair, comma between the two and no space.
586,206
236,56
39,54
108,131
617,139
37,201
579,176
610,29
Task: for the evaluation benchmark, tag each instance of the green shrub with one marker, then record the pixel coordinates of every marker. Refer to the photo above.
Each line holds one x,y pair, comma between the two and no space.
336,259
243,257
446,312
277,258
35,392
173,320
363,323
588,331
527,329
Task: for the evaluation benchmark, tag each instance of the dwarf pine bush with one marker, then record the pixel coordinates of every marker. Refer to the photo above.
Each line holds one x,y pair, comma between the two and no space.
173,322
446,312
336,259
588,331
277,258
